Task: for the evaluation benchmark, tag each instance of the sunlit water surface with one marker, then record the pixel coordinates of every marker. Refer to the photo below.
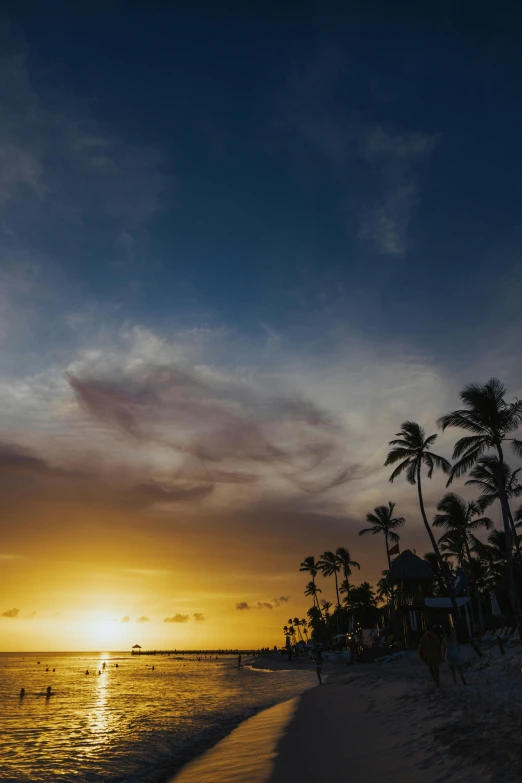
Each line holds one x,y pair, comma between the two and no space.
129,723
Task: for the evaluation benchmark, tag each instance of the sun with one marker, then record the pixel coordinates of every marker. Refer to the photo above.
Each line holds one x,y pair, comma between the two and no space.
103,633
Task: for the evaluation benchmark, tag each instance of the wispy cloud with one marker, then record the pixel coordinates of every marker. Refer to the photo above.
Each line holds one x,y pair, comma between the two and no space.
242,606
125,619
396,158
198,617
143,619
177,618
379,167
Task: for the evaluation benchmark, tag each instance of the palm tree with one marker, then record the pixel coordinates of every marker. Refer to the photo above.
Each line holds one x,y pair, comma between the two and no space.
412,449
384,523
310,566
384,590
312,589
330,565
461,520
492,421
345,561
304,625
297,623
327,605
484,475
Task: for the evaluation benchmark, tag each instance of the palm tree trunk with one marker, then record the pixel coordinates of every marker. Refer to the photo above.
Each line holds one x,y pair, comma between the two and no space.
316,600
512,588
338,602
440,561
514,532
392,608
475,588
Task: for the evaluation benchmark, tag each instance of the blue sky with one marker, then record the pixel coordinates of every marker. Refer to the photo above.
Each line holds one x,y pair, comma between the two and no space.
238,250
267,166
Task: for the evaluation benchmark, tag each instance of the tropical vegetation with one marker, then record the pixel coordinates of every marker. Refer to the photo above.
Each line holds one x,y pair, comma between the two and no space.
464,540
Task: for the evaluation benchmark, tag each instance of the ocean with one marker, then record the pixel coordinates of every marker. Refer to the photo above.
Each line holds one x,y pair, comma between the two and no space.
129,724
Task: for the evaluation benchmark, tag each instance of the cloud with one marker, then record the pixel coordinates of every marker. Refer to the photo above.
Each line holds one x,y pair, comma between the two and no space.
216,423
177,618
264,605
125,619
14,458
242,606
396,158
378,166
283,599
198,617
153,492
29,615
64,163
11,613
143,619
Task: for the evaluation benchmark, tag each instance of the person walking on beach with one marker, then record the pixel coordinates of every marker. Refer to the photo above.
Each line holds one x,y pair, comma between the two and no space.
430,651
453,657
319,665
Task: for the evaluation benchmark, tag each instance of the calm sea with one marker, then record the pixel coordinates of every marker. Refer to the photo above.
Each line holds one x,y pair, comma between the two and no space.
129,723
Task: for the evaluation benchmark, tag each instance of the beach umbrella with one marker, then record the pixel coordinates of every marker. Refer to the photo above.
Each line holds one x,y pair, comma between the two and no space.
495,608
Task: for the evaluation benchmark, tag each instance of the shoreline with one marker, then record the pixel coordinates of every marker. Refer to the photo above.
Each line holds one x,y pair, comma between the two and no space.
375,722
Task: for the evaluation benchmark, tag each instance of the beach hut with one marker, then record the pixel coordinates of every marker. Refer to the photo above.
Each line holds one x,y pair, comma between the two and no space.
136,649
412,578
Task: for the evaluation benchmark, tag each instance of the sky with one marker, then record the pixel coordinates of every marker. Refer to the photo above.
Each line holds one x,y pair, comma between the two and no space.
238,248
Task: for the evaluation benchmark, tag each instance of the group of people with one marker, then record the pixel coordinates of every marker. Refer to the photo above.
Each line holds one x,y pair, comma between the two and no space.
437,645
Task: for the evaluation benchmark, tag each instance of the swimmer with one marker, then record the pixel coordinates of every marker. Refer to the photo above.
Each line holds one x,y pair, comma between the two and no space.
86,671
22,693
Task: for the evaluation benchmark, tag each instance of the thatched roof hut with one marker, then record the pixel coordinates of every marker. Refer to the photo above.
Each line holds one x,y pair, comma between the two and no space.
408,567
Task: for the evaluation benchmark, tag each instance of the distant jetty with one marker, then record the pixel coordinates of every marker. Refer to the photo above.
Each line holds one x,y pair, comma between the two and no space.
249,651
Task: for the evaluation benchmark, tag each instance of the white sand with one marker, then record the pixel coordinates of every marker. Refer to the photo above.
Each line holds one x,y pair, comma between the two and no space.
360,733
382,724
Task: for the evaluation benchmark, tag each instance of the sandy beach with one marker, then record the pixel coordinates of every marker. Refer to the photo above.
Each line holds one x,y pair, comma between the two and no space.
374,722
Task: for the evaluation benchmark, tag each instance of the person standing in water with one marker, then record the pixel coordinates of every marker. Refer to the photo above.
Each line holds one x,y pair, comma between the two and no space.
453,657
239,664
430,651
318,665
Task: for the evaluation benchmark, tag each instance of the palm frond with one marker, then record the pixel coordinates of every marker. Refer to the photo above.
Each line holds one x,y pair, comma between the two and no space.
465,444
463,465
516,445
411,473
399,469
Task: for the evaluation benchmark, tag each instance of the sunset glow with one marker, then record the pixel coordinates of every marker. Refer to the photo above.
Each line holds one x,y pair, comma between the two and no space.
219,303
